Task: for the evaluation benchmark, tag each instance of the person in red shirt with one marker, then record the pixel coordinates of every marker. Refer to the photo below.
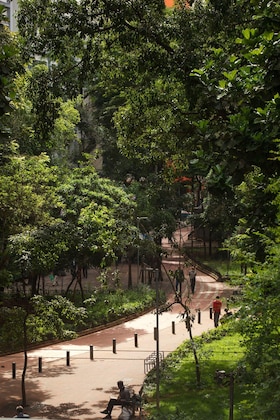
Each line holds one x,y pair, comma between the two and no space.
217,305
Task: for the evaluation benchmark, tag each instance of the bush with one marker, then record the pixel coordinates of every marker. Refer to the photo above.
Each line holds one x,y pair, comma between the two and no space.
108,305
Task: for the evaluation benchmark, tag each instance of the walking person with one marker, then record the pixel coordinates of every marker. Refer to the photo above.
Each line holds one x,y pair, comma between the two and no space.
192,276
179,277
123,400
217,305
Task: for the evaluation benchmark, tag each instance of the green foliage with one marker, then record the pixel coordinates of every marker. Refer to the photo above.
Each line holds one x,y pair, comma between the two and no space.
107,305
37,320
42,121
12,325
28,202
98,217
249,240
38,250
59,318
10,64
27,192
195,89
55,318
260,329
179,396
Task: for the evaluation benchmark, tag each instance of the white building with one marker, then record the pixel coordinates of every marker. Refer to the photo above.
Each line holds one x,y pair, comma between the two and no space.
12,7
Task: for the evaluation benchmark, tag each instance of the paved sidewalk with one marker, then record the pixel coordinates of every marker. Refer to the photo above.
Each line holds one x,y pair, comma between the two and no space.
82,389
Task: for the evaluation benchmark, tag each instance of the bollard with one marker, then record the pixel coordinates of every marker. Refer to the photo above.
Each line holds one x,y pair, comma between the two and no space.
40,365
68,358
114,346
199,316
14,370
211,313
91,352
173,327
136,340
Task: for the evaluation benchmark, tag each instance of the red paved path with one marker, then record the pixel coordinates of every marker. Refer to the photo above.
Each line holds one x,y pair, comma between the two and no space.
81,390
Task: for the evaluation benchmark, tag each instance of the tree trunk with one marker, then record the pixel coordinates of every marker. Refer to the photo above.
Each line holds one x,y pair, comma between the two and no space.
33,279
68,287
189,327
79,281
197,366
210,243
129,282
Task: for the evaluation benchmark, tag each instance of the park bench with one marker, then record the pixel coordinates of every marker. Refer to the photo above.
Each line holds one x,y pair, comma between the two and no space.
134,405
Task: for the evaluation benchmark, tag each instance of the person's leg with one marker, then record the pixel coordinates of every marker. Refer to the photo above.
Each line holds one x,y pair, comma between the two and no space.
192,285
110,406
112,403
216,318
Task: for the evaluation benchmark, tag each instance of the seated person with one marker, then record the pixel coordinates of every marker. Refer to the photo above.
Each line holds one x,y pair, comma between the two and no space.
122,400
20,413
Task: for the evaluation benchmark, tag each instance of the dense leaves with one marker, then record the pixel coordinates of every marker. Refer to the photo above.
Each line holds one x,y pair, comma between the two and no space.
97,217
9,65
191,92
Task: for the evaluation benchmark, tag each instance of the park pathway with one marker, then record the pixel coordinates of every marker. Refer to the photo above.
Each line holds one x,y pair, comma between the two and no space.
79,376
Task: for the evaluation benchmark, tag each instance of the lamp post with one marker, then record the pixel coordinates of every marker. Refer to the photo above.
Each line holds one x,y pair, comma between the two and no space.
220,375
157,337
138,256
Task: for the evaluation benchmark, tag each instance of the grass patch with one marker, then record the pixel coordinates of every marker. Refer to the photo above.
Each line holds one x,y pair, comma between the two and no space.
231,271
181,398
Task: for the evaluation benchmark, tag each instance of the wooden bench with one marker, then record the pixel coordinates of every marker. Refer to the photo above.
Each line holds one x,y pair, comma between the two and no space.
135,403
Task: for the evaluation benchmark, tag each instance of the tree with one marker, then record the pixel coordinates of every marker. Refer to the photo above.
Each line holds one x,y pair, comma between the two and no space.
247,243
259,315
10,64
42,122
182,85
28,202
35,320
51,219
259,327
97,219
35,253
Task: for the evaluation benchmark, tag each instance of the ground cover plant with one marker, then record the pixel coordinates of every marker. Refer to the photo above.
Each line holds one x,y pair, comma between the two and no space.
181,399
105,305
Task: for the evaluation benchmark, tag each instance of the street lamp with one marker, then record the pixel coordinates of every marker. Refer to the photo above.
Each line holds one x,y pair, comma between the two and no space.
157,338
138,250
220,375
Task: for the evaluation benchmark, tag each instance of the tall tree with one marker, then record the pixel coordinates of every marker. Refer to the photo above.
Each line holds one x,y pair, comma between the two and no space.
10,64
42,121
28,201
98,219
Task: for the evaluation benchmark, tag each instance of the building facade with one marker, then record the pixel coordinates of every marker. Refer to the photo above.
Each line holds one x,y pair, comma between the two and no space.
11,7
